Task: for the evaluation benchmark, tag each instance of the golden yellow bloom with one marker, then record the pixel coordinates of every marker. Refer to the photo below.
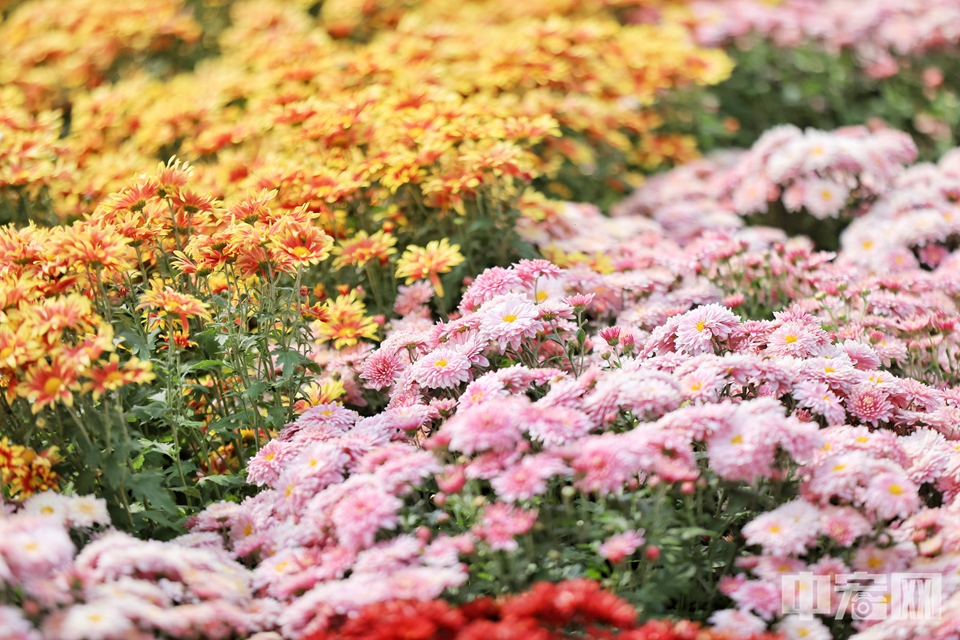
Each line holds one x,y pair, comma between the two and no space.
419,263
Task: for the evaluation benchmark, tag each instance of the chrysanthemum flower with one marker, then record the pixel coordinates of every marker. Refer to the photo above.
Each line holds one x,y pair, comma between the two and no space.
890,495
110,376
442,368
173,303
870,404
509,320
362,248
619,546
698,328
298,244
346,323
427,263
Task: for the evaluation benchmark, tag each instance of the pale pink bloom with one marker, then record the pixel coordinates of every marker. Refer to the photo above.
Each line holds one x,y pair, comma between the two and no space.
317,466
49,504
495,281
509,320
554,426
737,622
484,389
389,556
408,418
381,369
15,626
871,558
528,478
929,454
266,466
818,397
442,368
412,297
501,523
698,329
362,513
762,597
492,425
797,627
332,416
824,198
95,621
843,524
603,463
421,583
890,495
793,339
787,530
87,511
863,355
619,546
34,545
773,568
870,404
530,271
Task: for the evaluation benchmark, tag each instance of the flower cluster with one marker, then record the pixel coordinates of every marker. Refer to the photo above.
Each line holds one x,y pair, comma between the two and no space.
547,611
116,586
23,471
879,31
825,174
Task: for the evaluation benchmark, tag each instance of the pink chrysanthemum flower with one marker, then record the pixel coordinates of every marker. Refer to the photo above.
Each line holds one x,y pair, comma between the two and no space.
265,467
818,397
509,321
603,463
824,198
793,339
844,524
331,415
787,530
558,426
741,623
697,329
580,301
530,270
361,513
442,368
870,404
412,297
528,478
488,426
619,546
890,495
501,523
495,281
381,369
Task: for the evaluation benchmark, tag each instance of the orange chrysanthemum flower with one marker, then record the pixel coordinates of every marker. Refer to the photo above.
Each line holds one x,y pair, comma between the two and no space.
173,303
346,322
110,376
362,248
297,244
419,263
48,383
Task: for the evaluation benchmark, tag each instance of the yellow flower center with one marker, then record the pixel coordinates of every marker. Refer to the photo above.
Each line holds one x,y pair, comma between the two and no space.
790,339
774,529
46,510
701,325
737,439
52,385
541,296
829,370
696,387
439,364
895,489
509,317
